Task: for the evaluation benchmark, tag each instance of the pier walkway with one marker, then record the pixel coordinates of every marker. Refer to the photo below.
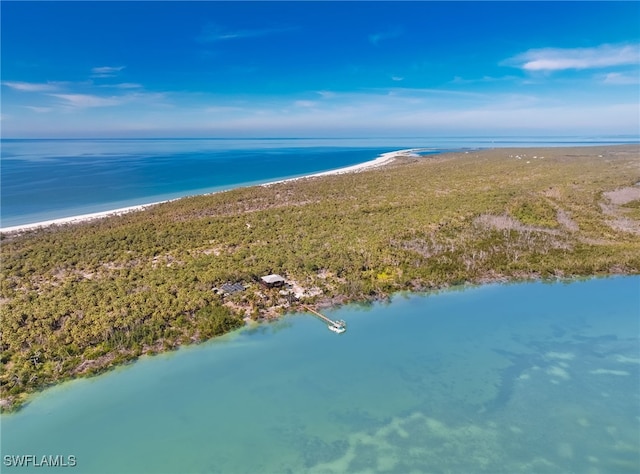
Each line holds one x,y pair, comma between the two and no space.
341,325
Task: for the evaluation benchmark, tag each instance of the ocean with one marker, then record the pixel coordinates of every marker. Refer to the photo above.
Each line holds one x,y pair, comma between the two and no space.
42,180
504,378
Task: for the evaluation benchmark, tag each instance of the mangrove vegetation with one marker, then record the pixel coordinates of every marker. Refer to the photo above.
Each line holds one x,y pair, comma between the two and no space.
79,299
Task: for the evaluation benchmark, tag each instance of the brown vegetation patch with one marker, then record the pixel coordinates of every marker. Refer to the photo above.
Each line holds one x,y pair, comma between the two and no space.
613,208
566,221
166,260
507,223
93,364
502,222
625,225
623,195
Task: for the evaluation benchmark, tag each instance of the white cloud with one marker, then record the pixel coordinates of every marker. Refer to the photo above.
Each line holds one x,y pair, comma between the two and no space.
427,92
305,103
124,85
212,33
78,100
388,111
37,109
617,78
390,119
558,59
106,71
326,94
30,86
222,109
482,80
397,78
411,113
87,100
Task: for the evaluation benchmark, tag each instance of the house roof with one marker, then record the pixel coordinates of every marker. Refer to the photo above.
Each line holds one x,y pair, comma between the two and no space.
232,287
272,279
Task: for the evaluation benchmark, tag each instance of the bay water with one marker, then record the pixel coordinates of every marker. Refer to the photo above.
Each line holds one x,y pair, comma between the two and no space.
504,378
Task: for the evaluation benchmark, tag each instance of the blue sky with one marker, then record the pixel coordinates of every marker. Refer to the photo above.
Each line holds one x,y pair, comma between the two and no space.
319,69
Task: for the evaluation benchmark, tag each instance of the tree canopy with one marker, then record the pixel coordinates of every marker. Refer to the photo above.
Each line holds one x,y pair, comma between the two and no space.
79,299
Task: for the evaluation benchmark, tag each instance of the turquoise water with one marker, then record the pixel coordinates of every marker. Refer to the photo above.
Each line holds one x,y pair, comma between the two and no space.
531,378
49,179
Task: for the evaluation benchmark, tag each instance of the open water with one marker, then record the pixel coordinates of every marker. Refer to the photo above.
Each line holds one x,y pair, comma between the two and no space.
519,378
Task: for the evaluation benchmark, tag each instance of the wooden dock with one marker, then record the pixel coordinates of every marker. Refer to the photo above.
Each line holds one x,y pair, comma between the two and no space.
322,316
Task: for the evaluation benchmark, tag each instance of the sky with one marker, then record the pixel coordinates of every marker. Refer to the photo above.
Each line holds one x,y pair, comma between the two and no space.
319,69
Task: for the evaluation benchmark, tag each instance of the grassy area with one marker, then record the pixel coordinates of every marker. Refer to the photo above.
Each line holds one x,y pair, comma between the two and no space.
79,299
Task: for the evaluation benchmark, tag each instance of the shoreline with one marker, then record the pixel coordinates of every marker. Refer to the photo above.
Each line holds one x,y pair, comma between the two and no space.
8,406
582,244
381,160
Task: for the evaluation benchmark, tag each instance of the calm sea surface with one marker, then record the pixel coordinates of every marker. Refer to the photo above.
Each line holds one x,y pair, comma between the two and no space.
521,378
49,179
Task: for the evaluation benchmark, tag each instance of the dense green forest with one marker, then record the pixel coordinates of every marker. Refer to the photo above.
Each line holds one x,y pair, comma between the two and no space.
79,299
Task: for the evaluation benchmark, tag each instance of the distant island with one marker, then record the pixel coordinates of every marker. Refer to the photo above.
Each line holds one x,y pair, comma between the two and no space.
80,298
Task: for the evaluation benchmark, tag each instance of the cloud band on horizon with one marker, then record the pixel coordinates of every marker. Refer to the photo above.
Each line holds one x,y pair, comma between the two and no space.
558,59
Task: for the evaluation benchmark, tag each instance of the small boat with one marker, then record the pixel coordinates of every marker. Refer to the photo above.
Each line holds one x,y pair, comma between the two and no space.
338,327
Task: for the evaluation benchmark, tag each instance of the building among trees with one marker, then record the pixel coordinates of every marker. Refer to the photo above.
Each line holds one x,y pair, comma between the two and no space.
272,281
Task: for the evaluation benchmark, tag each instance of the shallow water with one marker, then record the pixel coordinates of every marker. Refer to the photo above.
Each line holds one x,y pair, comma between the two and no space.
515,378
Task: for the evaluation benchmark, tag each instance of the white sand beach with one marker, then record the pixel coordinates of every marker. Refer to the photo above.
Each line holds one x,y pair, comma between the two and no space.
383,159
76,219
